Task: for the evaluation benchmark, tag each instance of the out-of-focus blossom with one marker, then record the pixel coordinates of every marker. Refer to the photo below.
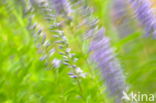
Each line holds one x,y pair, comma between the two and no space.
37,2
104,56
77,73
56,63
61,6
121,18
145,14
52,51
43,57
80,72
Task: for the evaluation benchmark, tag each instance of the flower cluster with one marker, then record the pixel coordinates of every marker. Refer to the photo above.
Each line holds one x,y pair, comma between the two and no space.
121,18
61,6
103,55
57,44
144,13
91,22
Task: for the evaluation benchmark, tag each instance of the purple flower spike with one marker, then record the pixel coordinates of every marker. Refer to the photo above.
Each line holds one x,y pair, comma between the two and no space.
143,10
103,55
61,6
121,18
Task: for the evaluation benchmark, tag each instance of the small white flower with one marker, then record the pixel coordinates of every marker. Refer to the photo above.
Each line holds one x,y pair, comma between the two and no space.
75,59
83,75
64,38
52,51
68,50
56,63
71,55
46,43
43,57
80,72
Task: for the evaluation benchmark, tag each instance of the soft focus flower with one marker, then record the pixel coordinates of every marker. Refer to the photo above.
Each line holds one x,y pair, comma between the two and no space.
43,57
56,63
52,51
103,55
121,18
61,6
143,10
80,72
